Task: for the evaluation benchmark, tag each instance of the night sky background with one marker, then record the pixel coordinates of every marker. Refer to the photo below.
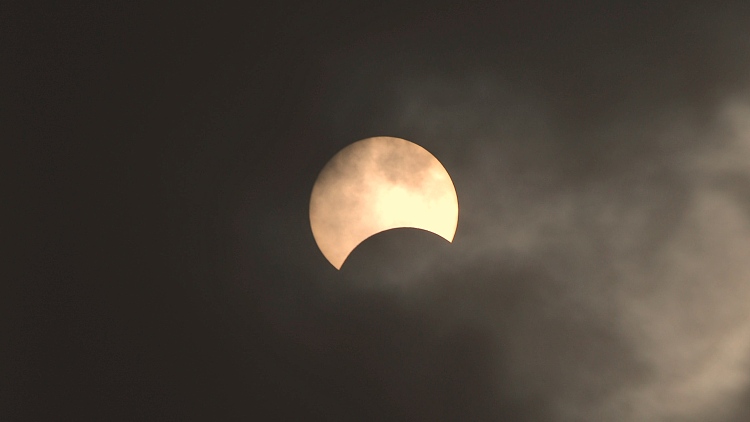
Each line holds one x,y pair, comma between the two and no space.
159,162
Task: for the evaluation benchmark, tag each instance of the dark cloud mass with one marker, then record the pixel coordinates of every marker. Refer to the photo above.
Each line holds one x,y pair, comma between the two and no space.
600,270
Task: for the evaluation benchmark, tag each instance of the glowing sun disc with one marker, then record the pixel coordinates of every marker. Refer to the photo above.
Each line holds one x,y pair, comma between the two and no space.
378,184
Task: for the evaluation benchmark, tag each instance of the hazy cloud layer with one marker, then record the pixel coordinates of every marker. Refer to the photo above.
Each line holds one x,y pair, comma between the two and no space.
600,270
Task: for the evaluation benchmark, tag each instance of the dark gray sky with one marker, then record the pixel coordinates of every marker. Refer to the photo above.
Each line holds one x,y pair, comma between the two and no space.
601,157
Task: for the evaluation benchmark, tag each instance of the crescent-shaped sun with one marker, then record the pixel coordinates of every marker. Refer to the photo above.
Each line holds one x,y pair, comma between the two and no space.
378,184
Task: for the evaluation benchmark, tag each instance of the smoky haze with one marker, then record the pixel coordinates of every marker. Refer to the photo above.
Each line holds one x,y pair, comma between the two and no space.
600,268
599,272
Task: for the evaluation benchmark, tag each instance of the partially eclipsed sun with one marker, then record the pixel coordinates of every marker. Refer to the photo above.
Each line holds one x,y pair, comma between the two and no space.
378,184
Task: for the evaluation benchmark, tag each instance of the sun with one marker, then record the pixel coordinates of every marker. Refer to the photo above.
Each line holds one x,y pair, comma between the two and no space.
379,184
